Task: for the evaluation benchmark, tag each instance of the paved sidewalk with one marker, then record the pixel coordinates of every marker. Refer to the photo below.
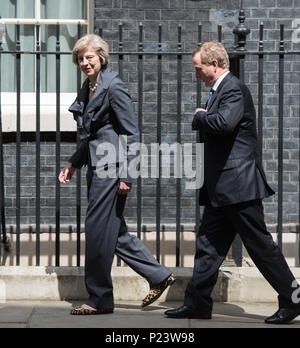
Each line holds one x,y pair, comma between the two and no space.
129,315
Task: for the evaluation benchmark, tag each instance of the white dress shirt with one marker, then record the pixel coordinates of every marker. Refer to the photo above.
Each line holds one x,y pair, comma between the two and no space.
219,80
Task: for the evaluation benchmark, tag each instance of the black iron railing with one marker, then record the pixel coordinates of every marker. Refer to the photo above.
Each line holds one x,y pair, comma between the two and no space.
237,54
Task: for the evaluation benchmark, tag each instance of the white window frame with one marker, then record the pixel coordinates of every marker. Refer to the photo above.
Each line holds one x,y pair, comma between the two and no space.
48,100
89,22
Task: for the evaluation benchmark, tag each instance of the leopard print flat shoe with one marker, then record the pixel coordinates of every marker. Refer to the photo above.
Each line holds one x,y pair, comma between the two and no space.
155,292
85,311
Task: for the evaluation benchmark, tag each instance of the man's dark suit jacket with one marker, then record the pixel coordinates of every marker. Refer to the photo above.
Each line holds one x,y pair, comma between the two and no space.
233,171
102,120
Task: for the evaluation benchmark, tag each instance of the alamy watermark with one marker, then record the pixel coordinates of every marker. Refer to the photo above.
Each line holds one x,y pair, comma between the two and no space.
296,292
296,32
152,161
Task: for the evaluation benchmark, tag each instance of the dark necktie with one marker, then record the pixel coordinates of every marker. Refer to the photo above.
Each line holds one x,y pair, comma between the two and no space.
209,98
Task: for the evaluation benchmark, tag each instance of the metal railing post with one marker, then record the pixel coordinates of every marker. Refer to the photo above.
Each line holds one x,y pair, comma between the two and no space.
18,147
38,145
158,139
4,239
140,123
240,31
280,138
57,146
78,172
178,163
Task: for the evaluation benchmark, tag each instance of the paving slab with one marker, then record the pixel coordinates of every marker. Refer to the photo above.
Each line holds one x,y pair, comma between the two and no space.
128,314
15,314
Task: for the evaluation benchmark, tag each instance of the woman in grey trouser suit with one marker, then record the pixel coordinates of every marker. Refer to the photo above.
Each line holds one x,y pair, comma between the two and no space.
103,111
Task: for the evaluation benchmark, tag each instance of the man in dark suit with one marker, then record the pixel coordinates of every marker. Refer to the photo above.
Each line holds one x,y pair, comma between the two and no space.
234,186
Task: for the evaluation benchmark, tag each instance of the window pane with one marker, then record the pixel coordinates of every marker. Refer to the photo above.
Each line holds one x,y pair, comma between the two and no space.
53,9
8,67
68,37
17,8
58,9
64,9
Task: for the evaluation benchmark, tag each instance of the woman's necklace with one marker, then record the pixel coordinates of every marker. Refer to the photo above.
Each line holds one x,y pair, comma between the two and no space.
93,88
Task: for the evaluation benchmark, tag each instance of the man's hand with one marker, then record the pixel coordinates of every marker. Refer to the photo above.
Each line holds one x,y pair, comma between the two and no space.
195,122
67,173
197,110
124,188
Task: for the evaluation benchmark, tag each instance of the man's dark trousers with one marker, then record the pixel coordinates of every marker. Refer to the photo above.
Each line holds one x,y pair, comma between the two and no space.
215,236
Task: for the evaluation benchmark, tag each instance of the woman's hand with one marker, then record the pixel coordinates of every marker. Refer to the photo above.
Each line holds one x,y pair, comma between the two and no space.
124,188
67,173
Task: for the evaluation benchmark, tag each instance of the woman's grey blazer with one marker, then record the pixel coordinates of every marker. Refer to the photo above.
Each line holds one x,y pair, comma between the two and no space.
107,126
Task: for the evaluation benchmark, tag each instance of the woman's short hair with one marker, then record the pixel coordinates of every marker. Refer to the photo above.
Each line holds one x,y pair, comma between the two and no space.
94,42
213,50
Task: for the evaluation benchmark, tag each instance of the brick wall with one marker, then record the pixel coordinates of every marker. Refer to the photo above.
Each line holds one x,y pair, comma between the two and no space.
48,185
189,13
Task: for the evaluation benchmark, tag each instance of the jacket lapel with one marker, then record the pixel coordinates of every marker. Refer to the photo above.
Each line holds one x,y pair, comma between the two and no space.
226,78
106,76
77,108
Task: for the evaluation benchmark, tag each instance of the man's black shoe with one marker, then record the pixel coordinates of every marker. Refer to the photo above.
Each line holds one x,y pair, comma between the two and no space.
186,312
283,316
